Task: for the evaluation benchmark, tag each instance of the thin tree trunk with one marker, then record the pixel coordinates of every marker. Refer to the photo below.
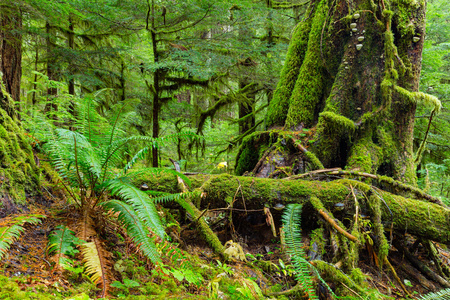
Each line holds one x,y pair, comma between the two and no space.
51,69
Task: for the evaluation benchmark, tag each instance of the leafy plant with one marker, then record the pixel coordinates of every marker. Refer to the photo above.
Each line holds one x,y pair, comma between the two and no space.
125,286
12,229
294,247
224,267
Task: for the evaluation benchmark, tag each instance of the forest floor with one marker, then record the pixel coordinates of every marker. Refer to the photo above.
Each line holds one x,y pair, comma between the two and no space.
30,270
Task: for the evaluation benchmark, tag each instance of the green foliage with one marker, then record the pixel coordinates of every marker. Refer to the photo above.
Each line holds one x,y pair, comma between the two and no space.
443,294
62,242
294,247
135,228
125,286
435,80
14,228
87,161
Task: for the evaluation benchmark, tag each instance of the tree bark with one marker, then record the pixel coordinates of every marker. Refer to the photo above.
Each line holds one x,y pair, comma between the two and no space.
11,53
52,72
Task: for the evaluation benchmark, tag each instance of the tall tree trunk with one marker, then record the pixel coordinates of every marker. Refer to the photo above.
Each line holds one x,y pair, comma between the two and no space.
11,53
156,87
51,68
71,44
71,84
351,76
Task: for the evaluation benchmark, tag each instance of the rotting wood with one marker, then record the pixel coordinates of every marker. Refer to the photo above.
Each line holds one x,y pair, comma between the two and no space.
414,273
420,265
394,273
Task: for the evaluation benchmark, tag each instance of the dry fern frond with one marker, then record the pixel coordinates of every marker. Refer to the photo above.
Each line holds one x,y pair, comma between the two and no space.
86,226
11,231
96,260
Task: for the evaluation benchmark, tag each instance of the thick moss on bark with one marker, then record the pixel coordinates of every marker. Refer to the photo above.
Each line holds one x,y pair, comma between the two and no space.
357,79
19,174
278,109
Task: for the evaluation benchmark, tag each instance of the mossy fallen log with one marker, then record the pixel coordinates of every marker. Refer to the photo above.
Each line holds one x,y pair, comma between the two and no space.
416,217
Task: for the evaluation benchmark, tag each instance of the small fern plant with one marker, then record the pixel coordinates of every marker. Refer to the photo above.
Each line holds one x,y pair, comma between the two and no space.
294,247
11,229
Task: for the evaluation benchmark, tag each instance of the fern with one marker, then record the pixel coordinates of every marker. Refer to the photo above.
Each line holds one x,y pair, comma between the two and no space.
137,231
96,263
443,294
62,242
13,229
293,239
141,203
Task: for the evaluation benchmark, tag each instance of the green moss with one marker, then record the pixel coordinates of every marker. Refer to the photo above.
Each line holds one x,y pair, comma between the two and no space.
279,105
338,121
309,86
375,203
316,163
17,166
365,156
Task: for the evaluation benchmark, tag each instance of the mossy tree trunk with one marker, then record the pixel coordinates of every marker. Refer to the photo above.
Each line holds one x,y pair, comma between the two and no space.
19,174
351,77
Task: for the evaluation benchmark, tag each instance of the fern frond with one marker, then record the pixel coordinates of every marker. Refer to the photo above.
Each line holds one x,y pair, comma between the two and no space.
293,238
141,203
97,264
13,229
139,155
136,230
62,242
443,294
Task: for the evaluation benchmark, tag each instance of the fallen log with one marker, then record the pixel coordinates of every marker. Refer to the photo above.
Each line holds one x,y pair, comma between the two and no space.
422,219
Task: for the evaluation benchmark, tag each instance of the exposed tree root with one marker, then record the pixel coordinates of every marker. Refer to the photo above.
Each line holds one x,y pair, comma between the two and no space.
361,201
336,226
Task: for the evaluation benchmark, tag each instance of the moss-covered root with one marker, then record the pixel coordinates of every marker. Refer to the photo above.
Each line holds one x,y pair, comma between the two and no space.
346,285
210,237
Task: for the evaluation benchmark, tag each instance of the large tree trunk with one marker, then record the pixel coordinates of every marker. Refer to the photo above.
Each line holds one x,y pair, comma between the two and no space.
351,76
11,52
417,216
